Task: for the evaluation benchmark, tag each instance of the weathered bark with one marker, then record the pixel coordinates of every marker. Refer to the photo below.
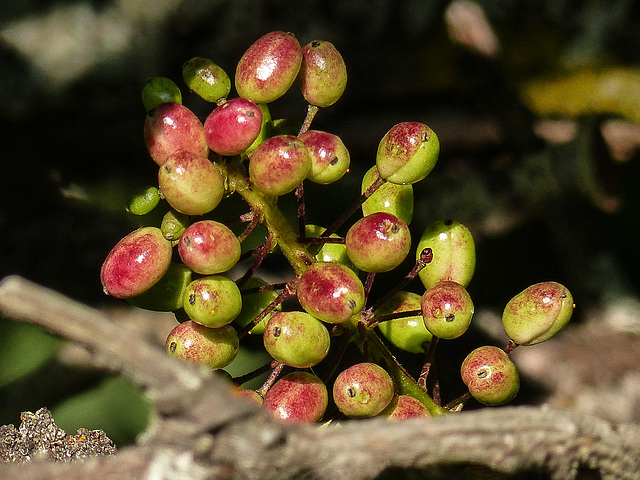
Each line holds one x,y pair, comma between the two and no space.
201,431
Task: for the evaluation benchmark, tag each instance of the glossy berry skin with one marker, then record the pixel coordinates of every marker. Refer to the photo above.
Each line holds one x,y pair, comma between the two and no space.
407,153
279,164
209,247
447,310
159,90
331,292
170,128
330,159
212,301
404,407
167,293
406,333
136,263
329,252
173,224
298,397
269,67
323,73
390,197
363,390
144,201
296,339
378,242
233,126
490,375
205,78
454,253
191,184
213,347
538,313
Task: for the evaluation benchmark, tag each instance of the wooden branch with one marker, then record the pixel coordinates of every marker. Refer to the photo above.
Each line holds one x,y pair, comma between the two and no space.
203,432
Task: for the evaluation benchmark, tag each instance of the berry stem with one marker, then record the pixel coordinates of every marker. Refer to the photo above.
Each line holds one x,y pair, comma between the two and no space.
287,292
271,379
261,253
373,321
301,210
311,114
251,375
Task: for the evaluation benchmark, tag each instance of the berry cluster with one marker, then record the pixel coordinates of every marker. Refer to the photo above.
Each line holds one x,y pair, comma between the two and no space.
183,265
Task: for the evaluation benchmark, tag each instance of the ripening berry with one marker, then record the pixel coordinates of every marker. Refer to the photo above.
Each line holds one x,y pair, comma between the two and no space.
454,253
279,164
136,263
233,126
159,90
447,310
207,79
297,397
406,333
212,301
393,198
330,292
378,242
403,407
209,247
296,339
407,153
537,313
269,67
329,157
213,347
363,390
171,128
323,73
490,375
253,303
191,184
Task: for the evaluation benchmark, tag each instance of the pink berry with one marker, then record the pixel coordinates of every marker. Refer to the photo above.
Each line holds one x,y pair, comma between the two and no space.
214,347
447,310
233,126
323,73
208,247
490,375
297,397
170,128
403,407
363,390
136,263
329,157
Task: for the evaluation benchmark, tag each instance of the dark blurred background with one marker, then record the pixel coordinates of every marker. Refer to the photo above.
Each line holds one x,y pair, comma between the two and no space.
545,179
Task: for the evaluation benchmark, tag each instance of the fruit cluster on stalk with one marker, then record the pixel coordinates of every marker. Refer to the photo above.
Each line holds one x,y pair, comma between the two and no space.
184,264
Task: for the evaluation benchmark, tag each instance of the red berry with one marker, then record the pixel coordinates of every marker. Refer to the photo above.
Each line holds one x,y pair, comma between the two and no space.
209,247
233,126
297,397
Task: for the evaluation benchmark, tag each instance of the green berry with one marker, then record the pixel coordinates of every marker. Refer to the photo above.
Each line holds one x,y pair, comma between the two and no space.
406,333
329,252
490,375
447,310
212,301
166,295
207,79
363,390
378,242
330,292
136,263
213,347
407,153
279,164
209,247
329,157
323,73
537,313
299,397
390,197
144,201
192,184
266,128
454,253
296,339
253,303
159,90
269,67
173,224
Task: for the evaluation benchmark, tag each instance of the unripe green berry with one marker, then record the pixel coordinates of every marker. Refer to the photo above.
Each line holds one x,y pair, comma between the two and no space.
407,153
447,310
159,90
214,347
407,333
167,293
538,313
212,301
253,303
144,201
173,224
490,375
296,339
323,73
206,79
393,198
329,252
454,253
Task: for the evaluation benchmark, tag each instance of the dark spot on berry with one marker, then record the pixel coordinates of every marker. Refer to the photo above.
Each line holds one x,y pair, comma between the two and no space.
483,372
315,43
333,161
277,331
186,241
563,294
192,299
449,317
167,168
425,136
351,303
426,255
395,228
250,113
351,392
173,346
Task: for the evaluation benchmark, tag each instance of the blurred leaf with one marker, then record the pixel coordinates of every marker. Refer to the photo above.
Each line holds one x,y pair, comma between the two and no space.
23,349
